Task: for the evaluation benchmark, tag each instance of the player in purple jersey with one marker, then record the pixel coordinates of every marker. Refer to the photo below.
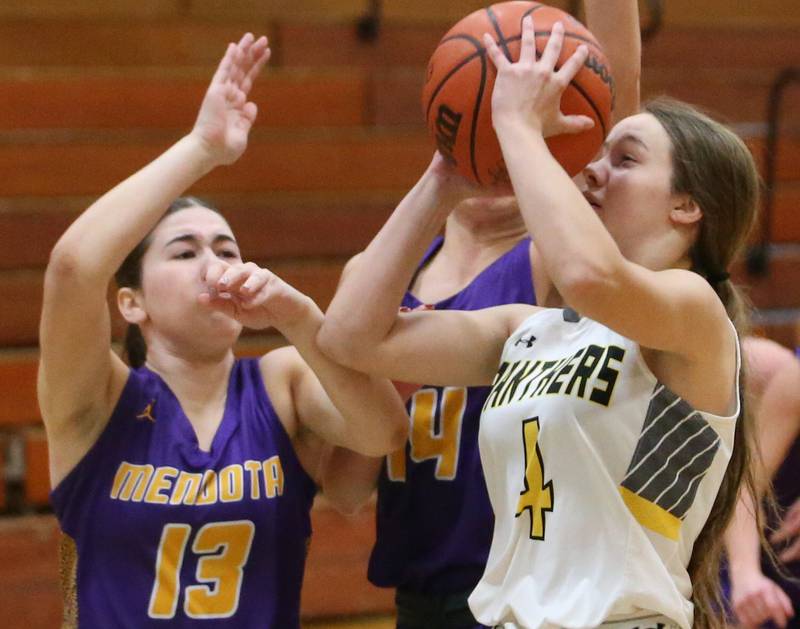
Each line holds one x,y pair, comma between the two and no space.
434,521
185,484
759,593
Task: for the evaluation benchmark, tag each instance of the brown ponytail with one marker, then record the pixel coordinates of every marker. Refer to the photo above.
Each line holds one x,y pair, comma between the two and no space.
713,166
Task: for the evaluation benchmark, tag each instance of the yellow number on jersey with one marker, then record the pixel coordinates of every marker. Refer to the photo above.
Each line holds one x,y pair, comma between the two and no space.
537,497
222,571
424,442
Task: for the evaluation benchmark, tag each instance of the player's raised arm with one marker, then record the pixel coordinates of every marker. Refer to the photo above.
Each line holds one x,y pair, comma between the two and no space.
362,327
615,23
80,377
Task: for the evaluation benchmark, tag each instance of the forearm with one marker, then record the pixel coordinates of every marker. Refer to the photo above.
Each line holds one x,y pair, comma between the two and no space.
615,24
576,248
366,303
742,540
371,417
96,244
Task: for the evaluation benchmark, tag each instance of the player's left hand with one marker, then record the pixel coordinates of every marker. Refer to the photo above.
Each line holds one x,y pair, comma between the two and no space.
252,295
226,115
530,90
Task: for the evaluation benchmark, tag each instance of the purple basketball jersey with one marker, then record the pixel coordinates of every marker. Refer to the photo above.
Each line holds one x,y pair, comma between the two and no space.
434,519
168,535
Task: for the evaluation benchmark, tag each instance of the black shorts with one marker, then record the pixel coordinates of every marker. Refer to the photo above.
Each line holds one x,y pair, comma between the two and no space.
434,611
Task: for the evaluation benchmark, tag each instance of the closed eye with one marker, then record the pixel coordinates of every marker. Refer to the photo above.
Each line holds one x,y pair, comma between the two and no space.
184,255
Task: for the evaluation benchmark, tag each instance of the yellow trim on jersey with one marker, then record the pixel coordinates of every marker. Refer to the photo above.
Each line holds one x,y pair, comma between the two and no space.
650,515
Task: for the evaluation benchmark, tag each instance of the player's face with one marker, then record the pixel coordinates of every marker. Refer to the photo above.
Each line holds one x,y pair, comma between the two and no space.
182,247
629,185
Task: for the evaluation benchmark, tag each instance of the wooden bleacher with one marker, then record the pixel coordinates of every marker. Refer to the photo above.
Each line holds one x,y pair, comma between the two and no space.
91,90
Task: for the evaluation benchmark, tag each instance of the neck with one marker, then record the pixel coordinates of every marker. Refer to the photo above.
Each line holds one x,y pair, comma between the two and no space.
483,232
195,381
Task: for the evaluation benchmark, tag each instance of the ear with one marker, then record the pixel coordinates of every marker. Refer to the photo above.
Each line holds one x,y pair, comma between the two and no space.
685,211
129,302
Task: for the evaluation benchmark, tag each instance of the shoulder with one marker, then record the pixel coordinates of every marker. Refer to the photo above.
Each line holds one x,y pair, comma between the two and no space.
513,316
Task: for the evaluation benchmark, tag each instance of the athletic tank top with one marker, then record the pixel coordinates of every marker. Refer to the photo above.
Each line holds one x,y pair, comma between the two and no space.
600,477
434,520
169,535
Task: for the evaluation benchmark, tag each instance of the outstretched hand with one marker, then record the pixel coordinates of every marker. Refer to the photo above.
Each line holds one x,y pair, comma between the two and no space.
530,90
226,115
254,296
757,599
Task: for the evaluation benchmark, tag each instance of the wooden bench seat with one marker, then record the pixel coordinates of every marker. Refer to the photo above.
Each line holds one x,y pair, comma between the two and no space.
20,308
267,227
310,161
163,101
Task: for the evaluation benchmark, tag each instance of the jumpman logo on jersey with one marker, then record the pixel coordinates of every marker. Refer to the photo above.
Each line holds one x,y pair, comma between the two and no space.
527,341
147,413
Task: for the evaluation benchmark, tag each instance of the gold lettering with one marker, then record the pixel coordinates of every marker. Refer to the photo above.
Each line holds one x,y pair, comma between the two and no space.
231,483
273,477
161,481
131,481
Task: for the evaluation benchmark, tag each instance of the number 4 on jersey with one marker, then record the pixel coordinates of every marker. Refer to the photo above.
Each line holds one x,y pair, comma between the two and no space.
426,440
537,497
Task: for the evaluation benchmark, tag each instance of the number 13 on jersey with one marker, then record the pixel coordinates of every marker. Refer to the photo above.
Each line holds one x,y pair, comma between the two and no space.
425,441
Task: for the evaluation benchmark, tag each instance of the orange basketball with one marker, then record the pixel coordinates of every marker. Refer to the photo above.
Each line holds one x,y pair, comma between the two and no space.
457,95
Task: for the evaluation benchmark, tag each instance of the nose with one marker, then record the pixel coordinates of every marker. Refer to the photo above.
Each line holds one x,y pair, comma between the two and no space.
211,265
594,173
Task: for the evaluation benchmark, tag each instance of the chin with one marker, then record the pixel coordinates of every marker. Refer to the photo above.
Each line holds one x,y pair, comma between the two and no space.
506,204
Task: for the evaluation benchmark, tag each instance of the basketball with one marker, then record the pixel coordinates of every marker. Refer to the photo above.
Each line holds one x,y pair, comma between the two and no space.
457,95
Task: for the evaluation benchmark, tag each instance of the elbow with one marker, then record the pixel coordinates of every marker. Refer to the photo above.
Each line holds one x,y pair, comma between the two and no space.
392,442
340,344
348,503
398,437
393,437
584,284
65,266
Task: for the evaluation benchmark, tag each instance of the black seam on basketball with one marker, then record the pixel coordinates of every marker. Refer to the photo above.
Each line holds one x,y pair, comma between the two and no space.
476,111
585,40
591,104
501,38
454,69
469,38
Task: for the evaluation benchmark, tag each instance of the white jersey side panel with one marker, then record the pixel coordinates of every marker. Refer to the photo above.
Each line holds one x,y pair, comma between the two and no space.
600,479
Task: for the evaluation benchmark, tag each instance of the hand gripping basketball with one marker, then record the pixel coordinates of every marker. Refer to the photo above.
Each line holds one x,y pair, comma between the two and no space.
531,89
457,96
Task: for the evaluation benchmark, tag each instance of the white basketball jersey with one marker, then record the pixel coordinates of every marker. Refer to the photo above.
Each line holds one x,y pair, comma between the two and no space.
599,476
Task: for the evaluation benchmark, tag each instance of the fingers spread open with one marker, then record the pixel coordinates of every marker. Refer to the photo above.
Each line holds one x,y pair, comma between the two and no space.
552,51
495,54
527,53
573,65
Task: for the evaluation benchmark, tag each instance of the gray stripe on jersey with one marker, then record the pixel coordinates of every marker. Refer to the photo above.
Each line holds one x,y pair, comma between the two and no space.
674,451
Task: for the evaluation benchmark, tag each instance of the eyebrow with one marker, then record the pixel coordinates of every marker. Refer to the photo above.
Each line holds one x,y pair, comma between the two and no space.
629,137
195,240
